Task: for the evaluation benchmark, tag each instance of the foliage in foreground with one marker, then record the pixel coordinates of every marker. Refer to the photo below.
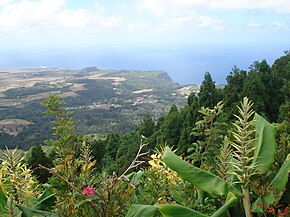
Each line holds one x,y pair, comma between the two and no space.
169,187
251,157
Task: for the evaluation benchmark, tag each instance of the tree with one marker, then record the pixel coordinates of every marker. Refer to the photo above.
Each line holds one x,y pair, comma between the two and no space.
272,93
254,88
98,148
128,147
36,158
171,128
281,72
233,91
208,94
189,114
112,144
147,126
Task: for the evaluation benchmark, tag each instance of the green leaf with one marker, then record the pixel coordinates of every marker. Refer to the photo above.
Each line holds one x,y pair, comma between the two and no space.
265,146
178,197
135,178
175,210
3,200
255,206
279,183
139,210
200,196
28,212
266,201
45,201
281,177
231,199
201,179
269,199
45,194
87,200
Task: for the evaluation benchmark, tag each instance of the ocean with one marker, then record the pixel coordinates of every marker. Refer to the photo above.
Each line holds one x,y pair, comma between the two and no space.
185,64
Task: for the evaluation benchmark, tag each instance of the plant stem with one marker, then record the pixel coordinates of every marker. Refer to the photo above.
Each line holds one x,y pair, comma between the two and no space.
247,202
228,214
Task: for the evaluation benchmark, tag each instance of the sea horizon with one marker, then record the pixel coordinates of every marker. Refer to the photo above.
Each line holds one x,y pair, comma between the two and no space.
185,65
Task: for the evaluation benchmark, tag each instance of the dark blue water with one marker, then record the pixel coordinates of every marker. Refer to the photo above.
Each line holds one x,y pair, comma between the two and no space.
185,65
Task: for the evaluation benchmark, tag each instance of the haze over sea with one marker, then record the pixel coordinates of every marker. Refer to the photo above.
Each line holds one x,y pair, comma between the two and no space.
185,65
185,38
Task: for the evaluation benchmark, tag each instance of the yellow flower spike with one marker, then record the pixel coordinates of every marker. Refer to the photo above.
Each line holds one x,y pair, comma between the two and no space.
153,156
26,172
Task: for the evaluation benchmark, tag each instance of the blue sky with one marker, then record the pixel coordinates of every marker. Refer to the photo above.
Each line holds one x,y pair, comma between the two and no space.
120,26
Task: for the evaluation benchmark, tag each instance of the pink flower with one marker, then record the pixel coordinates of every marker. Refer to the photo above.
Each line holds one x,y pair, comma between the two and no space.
89,191
271,210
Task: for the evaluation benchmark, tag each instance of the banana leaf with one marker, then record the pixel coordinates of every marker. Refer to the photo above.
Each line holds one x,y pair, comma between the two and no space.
279,183
281,178
3,200
201,179
140,210
265,146
135,178
29,212
265,202
174,210
45,201
256,206
230,201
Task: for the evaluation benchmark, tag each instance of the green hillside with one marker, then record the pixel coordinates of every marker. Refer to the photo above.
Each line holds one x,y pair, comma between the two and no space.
103,101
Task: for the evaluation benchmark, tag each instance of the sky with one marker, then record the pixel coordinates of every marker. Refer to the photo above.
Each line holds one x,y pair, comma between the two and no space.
183,37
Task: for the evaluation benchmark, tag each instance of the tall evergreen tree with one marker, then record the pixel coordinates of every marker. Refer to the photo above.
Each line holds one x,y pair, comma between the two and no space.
233,91
255,90
208,94
112,144
128,147
147,126
36,158
98,151
281,72
189,113
171,128
271,100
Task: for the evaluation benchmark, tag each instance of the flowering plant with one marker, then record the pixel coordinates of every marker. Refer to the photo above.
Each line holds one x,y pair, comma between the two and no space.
88,191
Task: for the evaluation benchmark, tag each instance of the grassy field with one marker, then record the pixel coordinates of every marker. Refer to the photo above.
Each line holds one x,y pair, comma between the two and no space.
13,126
102,101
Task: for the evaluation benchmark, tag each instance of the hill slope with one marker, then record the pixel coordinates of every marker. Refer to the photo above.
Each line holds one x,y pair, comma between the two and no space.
103,101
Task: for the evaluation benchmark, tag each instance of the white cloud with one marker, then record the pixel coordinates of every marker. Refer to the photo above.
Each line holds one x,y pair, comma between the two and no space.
71,19
110,22
54,19
50,15
254,24
139,26
276,25
194,14
194,21
28,13
165,7
191,22
279,6
4,2
168,8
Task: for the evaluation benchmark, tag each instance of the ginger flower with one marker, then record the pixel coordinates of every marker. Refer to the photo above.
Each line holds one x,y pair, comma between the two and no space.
89,191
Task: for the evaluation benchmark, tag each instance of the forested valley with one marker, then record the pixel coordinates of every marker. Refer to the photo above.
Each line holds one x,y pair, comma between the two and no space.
225,153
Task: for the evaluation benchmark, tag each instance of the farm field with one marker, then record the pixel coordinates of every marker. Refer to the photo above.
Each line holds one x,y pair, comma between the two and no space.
102,101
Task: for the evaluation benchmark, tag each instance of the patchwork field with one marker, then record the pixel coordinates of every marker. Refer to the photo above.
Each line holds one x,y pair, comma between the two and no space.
13,126
102,101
